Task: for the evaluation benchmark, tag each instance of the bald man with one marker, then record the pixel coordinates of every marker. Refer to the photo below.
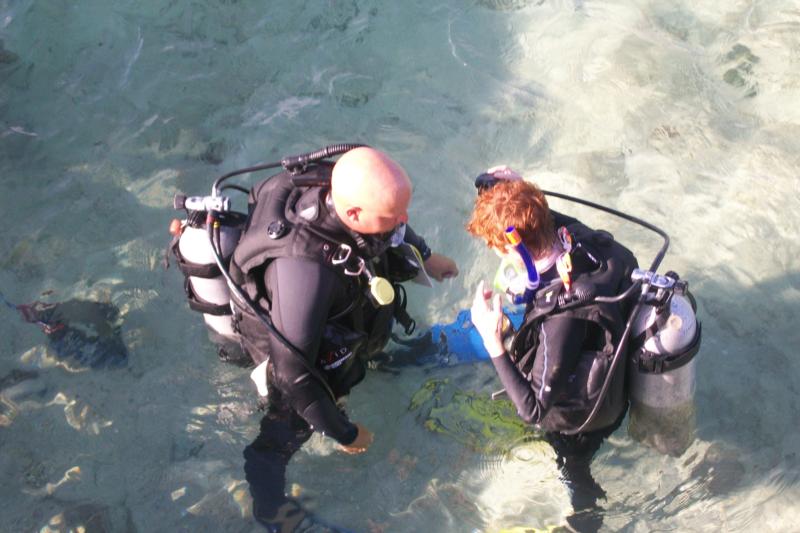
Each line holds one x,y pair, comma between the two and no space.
371,193
310,257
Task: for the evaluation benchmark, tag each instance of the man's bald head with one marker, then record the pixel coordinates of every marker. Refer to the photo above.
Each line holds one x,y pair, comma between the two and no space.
370,191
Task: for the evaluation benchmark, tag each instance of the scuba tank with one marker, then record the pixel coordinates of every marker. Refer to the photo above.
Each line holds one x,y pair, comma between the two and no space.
206,288
662,367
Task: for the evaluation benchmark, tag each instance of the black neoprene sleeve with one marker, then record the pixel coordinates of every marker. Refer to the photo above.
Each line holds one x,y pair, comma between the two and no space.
302,294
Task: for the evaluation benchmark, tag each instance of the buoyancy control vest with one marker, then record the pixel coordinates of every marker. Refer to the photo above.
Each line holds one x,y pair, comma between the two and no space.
278,226
602,267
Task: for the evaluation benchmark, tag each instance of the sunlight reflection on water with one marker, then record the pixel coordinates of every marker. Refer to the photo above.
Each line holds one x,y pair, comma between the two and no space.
682,114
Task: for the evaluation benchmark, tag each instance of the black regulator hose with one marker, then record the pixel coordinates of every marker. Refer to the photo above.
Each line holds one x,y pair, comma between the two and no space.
212,226
292,163
215,188
661,253
295,163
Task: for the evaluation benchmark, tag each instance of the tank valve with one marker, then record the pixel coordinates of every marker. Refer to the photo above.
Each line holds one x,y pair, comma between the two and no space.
201,203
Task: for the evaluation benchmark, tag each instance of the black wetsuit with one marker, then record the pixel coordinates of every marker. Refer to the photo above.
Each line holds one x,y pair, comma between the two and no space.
320,312
541,391
303,297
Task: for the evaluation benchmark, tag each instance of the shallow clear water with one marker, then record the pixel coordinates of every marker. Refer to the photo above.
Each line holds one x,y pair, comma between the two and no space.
685,114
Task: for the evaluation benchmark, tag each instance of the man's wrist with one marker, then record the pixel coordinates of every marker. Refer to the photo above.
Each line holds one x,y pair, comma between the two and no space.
425,252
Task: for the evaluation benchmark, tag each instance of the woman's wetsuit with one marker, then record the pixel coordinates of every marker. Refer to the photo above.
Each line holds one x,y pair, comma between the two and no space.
551,391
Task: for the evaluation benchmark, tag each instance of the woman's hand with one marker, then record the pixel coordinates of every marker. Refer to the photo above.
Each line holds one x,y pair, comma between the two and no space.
487,316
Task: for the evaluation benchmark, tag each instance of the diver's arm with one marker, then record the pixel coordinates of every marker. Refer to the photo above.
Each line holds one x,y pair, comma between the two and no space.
518,389
438,266
417,242
561,339
302,294
558,353
487,317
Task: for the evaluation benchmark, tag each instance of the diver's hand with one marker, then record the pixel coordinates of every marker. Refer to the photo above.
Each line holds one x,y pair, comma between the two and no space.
362,442
503,172
440,267
487,315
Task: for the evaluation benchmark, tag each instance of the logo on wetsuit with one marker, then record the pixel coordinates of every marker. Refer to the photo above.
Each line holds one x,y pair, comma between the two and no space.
331,359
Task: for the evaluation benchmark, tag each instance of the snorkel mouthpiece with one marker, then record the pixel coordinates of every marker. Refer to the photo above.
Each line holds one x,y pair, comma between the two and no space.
513,237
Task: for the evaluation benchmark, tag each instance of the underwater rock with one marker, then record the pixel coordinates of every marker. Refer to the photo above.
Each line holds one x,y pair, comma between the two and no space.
7,56
508,5
91,518
355,91
335,16
741,76
80,331
24,259
16,376
721,469
168,137
25,387
214,153
8,412
14,386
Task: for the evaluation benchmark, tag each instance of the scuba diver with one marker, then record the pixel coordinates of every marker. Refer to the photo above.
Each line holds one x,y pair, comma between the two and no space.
564,367
314,276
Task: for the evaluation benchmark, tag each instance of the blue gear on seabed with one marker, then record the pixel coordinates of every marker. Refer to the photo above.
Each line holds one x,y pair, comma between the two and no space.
462,341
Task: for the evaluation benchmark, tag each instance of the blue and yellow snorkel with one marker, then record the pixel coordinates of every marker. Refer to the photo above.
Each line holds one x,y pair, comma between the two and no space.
532,283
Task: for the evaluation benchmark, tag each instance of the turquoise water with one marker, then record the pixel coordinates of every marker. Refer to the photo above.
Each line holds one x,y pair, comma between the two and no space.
685,114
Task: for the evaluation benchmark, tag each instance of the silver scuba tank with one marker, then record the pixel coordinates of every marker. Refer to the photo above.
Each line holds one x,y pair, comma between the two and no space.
205,285
661,373
195,247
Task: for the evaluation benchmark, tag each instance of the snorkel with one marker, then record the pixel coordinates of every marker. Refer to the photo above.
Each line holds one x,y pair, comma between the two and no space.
513,237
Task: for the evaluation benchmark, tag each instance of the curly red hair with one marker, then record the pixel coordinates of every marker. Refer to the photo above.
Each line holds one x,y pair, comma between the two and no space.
513,203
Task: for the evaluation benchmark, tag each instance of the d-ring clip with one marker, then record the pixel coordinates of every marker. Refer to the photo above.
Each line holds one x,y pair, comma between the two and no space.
342,257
